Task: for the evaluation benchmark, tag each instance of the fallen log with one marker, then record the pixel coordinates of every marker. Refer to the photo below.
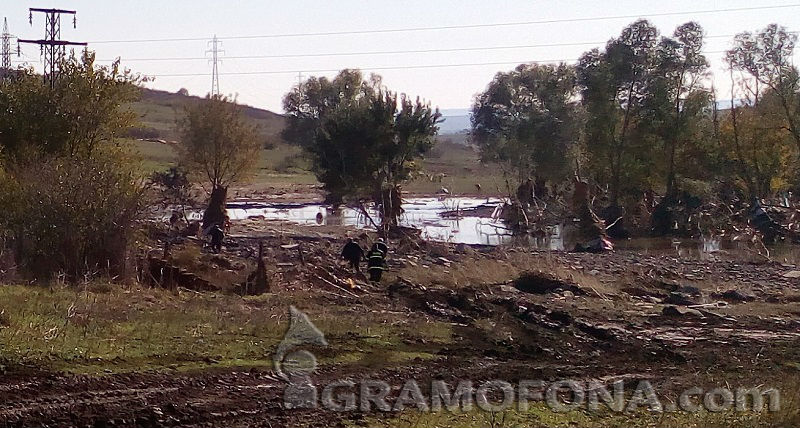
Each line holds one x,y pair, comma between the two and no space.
325,281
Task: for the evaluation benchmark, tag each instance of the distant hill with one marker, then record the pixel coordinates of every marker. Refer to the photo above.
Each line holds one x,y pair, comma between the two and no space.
159,111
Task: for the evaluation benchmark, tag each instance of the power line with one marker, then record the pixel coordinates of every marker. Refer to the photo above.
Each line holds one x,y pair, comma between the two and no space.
396,52
456,27
399,67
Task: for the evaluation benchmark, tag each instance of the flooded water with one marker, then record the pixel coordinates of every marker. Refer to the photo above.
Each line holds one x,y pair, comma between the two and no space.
474,221
711,248
456,220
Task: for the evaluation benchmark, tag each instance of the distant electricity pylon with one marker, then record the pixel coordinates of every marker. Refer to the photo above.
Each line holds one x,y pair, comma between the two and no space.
52,47
6,54
215,51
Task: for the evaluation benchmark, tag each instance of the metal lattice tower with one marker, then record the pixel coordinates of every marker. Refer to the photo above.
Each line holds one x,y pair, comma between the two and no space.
6,53
53,49
215,51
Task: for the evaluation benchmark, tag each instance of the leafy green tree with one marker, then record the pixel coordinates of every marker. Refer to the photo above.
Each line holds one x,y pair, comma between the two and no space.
677,106
219,147
614,87
767,58
526,121
362,139
757,151
307,104
87,107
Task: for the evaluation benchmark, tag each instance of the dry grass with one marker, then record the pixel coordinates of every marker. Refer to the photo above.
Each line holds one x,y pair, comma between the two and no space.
506,267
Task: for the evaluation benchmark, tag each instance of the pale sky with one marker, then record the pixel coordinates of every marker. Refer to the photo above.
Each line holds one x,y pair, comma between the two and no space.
117,28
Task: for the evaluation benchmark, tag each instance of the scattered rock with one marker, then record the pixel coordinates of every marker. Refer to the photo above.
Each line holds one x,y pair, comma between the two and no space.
560,316
599,331
679,298
442,261
508,289
792,274
734,296
675,311
775,298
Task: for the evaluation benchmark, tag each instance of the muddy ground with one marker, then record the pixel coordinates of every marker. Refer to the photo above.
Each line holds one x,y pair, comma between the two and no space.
675,322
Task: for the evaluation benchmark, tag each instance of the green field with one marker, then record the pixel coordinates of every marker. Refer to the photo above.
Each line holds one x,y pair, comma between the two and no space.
283,164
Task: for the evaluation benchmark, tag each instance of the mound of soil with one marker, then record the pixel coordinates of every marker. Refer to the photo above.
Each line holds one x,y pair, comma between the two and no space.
537,282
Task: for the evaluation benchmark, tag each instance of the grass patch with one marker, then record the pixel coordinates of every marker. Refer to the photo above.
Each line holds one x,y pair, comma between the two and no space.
538,414
134,329
120,329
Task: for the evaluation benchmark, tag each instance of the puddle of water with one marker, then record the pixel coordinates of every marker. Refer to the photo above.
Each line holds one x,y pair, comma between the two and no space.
709,248
471,221
458,226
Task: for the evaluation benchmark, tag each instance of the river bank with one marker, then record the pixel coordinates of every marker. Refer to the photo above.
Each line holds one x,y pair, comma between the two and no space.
132,355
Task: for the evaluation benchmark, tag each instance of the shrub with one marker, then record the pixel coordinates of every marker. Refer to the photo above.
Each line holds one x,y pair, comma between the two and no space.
74,215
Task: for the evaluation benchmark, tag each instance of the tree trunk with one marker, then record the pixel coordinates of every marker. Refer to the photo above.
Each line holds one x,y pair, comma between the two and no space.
591,227
540,188
215,213
391,206
670,194
258,281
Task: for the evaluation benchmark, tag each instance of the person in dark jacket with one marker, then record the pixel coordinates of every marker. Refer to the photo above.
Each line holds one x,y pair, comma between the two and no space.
380,245
353,253
376,264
